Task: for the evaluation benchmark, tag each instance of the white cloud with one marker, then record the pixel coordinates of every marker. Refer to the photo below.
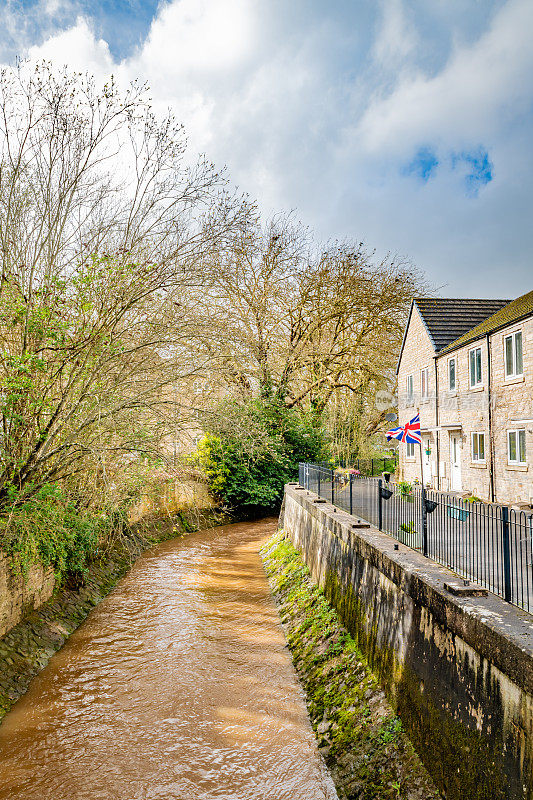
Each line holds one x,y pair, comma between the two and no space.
396,38
197,37
23,23
300,126
467,99
77,48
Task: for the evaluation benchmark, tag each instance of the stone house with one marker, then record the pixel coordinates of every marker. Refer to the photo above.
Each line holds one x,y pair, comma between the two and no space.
467,366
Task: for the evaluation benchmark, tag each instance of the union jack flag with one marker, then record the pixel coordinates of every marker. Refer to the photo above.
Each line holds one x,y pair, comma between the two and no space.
408,433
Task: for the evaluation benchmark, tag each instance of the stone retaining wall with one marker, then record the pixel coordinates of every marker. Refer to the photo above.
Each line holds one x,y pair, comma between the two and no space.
26,648
458,670
19,596
362,741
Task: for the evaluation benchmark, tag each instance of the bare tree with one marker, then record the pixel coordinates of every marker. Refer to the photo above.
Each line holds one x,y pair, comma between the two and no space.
104,223
303,325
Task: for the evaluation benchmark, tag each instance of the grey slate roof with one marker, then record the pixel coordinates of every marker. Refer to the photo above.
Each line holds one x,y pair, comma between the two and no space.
448,319
511,312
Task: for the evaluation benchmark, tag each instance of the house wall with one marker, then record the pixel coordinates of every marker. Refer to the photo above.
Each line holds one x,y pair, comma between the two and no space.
512,400
462,412
418,353
465,411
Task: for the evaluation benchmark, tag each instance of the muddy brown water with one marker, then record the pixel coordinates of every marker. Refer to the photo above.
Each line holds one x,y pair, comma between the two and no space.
178,685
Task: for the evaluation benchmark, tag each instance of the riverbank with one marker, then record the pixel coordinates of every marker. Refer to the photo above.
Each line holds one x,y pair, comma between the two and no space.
360,737
26,649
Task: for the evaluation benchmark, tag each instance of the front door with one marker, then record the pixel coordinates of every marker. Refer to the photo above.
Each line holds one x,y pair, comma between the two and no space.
426,460
455,462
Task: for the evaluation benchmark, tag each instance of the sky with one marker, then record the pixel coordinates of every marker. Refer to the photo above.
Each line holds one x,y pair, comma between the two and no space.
404,124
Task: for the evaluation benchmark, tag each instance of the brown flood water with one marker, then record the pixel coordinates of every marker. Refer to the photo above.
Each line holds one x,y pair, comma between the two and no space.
176,687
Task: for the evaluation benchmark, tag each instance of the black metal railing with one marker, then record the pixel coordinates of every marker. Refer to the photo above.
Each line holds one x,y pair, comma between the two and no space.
368,467
489,544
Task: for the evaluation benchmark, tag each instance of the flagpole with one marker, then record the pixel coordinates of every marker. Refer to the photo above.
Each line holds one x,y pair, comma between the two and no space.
423,499
421,457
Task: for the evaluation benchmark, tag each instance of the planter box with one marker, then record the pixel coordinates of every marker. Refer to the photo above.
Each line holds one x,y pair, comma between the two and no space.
412,539
455,512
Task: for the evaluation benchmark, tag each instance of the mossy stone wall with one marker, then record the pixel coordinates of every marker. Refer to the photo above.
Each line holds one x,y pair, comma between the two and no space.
458,671
19,595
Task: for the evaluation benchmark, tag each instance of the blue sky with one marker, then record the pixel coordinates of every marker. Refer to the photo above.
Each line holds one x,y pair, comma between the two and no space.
404,124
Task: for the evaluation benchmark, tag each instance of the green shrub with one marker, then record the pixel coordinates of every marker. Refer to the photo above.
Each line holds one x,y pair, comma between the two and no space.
407,527
50,529
252,449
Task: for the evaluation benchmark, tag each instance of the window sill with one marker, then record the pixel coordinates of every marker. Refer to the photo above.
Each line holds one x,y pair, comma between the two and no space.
451,393
478,464
512,380
517,467
410,459
479,388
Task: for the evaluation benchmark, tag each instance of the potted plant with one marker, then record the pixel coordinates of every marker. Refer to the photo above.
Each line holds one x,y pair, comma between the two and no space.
404,490
408,534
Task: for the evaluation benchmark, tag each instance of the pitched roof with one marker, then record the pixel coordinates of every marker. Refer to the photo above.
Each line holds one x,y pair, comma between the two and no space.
509,313
448,319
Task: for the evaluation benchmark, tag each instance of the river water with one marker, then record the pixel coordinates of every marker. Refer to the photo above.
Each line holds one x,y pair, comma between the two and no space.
177,686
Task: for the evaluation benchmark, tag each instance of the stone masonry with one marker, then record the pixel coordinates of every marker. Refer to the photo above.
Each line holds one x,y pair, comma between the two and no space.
19,596
447,415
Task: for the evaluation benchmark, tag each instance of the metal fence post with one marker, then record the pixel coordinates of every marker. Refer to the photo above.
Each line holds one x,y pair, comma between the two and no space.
380,506
506,546
372,466
351,492
318,482
424,523
332,488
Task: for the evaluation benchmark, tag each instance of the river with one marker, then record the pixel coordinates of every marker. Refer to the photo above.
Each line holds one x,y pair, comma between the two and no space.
178,686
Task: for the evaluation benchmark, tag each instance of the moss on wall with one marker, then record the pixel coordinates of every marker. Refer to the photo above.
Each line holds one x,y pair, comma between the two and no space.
455,752
358,733
466,707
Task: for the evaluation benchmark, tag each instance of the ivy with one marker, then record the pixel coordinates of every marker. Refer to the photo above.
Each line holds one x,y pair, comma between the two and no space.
50,530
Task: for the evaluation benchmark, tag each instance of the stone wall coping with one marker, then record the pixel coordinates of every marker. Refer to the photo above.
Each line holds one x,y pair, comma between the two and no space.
497,630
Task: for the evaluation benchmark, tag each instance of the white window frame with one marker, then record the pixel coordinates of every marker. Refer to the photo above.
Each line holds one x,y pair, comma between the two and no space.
410,390
516,462
424,384
410,450
475,449
454,387
480,381
512,337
